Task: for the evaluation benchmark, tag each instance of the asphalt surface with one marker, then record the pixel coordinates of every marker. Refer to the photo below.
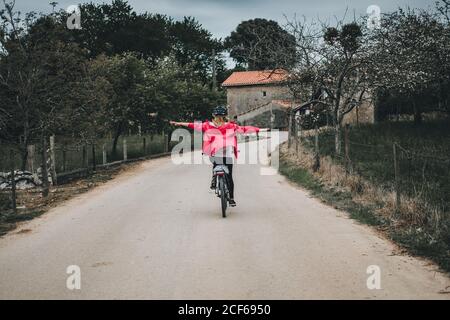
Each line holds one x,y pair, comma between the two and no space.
156,232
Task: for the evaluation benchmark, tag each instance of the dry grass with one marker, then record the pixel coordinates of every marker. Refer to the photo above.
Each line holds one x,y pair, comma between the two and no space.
412,211
418,226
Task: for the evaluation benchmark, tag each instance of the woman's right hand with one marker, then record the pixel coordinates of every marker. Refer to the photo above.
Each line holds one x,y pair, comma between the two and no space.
179,124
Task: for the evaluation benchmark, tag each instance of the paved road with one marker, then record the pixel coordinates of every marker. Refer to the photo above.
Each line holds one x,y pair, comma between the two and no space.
157,233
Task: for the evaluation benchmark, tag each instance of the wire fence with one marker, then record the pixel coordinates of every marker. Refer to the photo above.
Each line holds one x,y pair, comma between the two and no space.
65,159
72,156
69,155
410,173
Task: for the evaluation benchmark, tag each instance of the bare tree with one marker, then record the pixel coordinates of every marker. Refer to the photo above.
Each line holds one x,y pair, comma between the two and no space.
331,66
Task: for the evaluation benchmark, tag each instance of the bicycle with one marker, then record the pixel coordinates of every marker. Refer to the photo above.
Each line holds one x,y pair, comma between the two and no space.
221,173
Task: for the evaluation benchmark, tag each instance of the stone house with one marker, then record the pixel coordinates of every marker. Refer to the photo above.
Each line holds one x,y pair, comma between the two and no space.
263,98
257,97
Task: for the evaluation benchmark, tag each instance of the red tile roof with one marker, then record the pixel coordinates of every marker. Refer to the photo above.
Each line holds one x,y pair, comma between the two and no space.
248,78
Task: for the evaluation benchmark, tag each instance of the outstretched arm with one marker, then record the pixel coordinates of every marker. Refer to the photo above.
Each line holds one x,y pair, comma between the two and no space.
198,126
248,129
179,124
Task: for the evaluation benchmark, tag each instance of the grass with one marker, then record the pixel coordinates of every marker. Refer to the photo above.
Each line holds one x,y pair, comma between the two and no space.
9,222
421,243
301,176
424,170
427,237
338,199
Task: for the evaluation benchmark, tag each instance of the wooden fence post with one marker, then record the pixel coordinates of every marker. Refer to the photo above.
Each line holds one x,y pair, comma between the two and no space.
85,158
299,131
290,130
31,156
125,151
104,153
45,183
296,136
316,148
166,143
144,146
53,160
13,182
397,178
94,160
64,157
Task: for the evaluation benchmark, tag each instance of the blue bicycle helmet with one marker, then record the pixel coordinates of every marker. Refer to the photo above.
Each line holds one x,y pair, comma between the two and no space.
220,111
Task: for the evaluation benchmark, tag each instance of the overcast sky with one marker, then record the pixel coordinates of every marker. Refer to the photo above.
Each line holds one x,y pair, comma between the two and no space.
220,17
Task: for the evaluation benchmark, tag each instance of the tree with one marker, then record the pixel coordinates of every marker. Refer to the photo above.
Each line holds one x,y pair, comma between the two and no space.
75,82
115,28
125,75
443,7
411,57
171,92
261,44
331,69
40,77
17,77
38,70
192,44
343,73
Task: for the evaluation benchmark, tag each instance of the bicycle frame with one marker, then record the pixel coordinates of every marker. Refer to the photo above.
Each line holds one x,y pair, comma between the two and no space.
221,173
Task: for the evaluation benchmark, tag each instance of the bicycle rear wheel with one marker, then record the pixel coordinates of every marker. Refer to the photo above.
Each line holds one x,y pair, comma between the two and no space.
223,196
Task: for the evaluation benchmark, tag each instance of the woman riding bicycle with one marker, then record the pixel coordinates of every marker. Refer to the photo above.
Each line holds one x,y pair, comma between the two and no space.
220,142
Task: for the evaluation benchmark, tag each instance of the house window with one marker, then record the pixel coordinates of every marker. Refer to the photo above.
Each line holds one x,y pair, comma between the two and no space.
264,93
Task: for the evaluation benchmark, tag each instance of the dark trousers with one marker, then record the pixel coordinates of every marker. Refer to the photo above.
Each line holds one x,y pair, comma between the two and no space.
229,163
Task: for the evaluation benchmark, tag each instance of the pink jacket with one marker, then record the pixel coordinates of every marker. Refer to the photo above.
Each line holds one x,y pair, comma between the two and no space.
216,138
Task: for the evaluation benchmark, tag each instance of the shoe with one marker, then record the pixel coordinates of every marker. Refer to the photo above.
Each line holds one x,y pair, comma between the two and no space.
213,184
232,203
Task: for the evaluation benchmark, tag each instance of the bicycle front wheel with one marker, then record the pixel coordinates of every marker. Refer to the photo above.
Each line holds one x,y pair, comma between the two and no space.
223,196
